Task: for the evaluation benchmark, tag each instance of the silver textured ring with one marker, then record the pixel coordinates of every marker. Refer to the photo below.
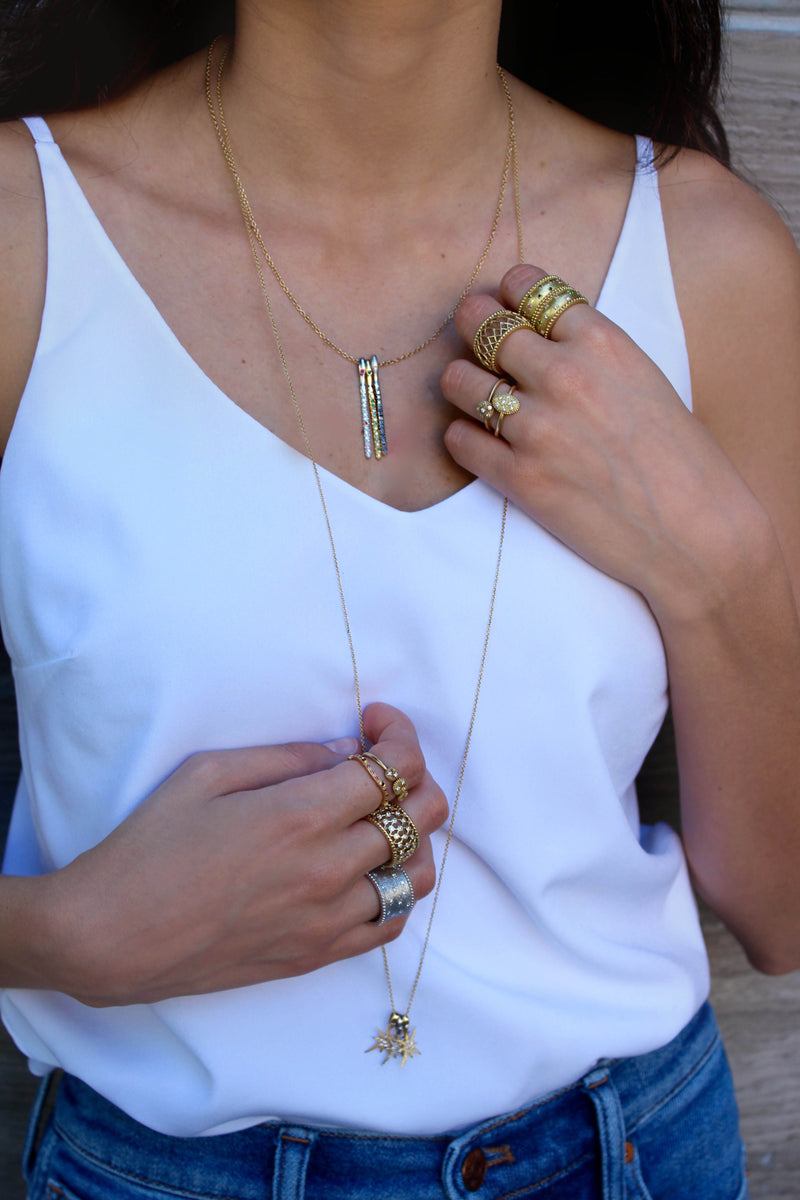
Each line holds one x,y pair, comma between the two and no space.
395,893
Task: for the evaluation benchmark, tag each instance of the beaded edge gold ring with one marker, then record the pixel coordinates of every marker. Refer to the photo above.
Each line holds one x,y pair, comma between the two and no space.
555,309
492,332
538,296
395,893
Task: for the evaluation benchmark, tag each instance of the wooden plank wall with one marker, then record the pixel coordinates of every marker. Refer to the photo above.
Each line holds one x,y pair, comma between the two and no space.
760,1017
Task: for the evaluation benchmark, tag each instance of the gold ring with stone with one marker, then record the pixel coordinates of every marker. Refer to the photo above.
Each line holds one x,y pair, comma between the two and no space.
486,408
393,778
538,296
505,404
361,759
556,308
491,334
399,830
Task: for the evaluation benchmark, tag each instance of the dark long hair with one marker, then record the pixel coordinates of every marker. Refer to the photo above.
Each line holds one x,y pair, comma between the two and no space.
641,66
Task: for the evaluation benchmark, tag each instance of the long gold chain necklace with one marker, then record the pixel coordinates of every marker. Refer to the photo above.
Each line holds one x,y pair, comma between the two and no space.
397,1040
373,424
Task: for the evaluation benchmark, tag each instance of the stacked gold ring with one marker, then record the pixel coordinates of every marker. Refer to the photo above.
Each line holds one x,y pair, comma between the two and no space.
498,404
538,296
491,334
399,830
558,305
546,301
393,778
361,759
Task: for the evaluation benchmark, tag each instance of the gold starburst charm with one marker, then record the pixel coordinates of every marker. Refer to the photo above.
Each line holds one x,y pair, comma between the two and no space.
396,1040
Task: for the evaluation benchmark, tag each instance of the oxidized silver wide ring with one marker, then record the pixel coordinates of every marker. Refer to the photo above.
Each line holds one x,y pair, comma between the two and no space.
395,892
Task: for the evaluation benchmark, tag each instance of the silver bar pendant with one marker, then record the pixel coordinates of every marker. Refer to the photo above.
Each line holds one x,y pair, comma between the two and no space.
365,420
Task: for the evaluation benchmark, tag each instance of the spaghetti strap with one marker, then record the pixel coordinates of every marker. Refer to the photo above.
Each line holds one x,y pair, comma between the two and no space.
645,154
39,129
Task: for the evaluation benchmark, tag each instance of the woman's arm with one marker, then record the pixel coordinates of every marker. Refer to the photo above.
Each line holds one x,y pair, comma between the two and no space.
735,674
699,513
23,259
244,866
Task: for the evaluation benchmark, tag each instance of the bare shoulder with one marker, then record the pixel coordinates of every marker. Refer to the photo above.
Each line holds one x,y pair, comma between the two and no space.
718,226
737,278
23,254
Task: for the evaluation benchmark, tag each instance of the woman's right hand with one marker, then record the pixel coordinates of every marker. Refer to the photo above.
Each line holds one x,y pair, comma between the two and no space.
244,866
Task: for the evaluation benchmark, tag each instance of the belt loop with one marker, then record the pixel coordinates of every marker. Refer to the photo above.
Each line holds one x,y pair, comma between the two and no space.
611,1125
292,1151
40,1112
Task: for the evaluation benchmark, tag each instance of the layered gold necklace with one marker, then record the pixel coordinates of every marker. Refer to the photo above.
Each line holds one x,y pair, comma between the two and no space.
368,366
397,1040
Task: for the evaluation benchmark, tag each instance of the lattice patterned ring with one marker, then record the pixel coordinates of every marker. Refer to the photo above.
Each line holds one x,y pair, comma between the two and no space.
399,830
492,332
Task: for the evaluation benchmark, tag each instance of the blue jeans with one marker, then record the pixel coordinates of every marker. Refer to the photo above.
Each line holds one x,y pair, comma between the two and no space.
661,1126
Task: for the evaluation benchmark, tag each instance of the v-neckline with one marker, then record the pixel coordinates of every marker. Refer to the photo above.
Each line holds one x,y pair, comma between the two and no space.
168,335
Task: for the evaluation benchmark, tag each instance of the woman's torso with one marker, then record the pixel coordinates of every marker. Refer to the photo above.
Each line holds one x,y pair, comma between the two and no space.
563,933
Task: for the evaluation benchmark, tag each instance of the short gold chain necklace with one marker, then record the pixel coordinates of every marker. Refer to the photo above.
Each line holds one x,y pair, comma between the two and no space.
373,424
397,1040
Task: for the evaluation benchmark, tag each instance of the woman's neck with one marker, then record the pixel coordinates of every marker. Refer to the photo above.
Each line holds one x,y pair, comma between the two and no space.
365,99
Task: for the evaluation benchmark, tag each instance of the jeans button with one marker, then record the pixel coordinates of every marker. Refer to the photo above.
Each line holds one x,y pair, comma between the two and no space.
473,1171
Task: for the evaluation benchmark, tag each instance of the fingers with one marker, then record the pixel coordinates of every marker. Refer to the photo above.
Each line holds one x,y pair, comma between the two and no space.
330,805
364,905
518,280
466,385
394,741
225,772
470,444
360,909
520,350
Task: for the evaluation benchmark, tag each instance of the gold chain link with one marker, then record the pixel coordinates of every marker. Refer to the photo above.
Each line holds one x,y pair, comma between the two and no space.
256,244
220,125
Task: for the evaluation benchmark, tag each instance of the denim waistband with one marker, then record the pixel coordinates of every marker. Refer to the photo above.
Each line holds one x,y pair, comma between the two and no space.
587,1126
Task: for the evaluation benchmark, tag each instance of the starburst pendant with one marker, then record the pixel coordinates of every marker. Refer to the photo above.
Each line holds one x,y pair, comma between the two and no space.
396,1040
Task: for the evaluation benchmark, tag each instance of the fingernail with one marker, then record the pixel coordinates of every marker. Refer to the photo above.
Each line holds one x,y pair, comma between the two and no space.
347,745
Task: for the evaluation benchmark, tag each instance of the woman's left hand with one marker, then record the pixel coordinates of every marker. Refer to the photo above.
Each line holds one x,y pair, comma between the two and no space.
604,455
602,451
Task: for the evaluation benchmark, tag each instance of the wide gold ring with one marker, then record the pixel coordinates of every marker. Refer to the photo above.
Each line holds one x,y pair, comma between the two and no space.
393,778
538,297
491,334
555,309
399,830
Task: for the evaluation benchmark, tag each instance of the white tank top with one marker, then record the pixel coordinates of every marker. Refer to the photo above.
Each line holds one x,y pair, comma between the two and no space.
167,587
